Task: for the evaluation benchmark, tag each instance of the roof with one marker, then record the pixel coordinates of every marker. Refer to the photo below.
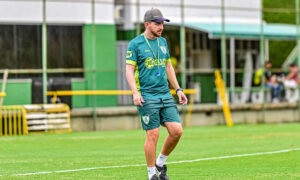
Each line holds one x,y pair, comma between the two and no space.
271,31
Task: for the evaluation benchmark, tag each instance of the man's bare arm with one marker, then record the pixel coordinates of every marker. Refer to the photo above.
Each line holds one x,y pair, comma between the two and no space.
173,80
172,76
137,98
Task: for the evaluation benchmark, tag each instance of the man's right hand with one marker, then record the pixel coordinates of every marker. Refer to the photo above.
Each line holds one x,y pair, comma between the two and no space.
138,99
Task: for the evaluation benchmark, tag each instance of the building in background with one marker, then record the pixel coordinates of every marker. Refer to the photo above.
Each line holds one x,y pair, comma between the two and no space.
69,46
70,43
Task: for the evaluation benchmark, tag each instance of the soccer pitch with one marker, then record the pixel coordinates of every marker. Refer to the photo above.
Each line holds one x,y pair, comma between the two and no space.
219,152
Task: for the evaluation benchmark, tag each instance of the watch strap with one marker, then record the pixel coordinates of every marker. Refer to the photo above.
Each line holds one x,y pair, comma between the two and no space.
179,89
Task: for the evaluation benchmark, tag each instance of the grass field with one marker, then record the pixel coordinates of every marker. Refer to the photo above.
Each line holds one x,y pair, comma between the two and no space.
102,150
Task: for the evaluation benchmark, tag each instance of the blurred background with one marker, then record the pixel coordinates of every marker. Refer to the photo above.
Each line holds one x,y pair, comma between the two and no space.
53,45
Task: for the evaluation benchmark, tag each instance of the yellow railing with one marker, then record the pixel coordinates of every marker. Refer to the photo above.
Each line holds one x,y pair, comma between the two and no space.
13,120
2,94
192,92
222,93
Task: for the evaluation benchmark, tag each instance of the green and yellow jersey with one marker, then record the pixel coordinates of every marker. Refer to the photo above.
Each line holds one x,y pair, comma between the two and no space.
150,70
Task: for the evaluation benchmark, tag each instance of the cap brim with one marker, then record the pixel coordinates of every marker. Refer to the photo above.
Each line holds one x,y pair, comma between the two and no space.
160,20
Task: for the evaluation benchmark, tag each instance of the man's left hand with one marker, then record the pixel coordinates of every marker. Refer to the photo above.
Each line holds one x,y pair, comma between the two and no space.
182,98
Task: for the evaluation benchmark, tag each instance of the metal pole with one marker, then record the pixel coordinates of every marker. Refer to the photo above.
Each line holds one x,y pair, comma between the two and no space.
4,80
223,43
182,46
138,24
94,63
262,62
298,48
232,68
267,51
44,53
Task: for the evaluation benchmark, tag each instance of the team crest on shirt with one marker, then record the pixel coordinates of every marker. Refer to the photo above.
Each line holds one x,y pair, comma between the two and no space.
146,119
163,49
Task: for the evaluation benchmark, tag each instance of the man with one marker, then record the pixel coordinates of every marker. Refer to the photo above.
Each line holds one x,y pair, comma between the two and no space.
291,80
271,82
148,69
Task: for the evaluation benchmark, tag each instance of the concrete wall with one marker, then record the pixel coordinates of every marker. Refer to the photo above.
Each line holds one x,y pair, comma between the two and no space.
121,118
125,118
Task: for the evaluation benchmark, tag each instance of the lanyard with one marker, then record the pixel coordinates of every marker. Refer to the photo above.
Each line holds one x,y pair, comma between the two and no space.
151,47
157,59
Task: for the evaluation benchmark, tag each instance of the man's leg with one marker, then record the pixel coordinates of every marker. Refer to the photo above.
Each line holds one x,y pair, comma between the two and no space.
175,132
150,150
278,92
273,89
150,146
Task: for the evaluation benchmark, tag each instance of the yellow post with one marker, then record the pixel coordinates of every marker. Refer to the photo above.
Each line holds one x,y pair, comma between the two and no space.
9,121
14,110
54,98
4,80
25,127
222,93
5,121
19,122
189,112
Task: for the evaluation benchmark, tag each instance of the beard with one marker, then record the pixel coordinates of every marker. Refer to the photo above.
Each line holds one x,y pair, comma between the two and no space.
156,33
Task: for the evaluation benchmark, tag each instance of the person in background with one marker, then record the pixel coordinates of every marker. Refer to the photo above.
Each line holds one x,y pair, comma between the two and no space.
280,76
291,80
271,82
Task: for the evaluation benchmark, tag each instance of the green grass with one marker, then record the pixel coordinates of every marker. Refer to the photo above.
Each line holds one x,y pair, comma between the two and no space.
38,153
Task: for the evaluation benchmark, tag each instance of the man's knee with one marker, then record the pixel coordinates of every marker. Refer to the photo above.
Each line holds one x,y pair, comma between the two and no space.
177,133
153,134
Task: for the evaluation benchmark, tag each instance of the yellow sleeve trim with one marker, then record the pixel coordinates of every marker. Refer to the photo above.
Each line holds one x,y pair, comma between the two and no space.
168,60
131,62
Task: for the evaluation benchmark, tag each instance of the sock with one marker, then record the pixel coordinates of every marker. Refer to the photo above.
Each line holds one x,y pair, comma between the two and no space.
151,172
160,161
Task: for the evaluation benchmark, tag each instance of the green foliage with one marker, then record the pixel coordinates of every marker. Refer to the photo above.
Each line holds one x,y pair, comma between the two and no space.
282,17
279,50
44,153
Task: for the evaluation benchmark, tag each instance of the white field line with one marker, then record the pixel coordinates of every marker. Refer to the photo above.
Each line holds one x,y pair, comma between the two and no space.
173,162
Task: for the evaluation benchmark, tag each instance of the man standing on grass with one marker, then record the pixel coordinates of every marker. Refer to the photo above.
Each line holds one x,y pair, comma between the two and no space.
148,69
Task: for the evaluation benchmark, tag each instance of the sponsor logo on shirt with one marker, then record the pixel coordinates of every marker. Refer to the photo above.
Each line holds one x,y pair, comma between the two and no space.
150,62
129,54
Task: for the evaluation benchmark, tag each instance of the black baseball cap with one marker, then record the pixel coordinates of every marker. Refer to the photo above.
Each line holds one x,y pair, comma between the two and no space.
154,15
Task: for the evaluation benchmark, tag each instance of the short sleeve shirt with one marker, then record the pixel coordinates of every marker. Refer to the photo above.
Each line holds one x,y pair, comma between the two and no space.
150,70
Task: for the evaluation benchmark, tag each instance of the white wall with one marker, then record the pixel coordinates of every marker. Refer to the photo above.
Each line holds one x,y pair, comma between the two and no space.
76,12
171,10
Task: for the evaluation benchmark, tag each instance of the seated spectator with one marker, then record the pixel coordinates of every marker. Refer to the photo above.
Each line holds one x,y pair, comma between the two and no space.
280,76
271,82
291,80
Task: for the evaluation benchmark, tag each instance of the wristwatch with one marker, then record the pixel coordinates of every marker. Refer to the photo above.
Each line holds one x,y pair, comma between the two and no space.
179,89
